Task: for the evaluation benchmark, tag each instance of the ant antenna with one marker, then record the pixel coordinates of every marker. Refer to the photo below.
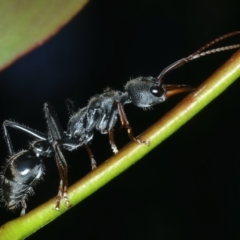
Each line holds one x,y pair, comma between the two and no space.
200,53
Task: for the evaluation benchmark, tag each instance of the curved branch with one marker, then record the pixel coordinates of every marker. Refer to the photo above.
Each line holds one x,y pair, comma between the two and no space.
130,154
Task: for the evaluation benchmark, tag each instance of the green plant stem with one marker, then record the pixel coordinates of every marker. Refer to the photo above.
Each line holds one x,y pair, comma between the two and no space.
24,226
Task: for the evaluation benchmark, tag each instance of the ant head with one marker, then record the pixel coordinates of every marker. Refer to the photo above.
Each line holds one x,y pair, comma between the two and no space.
148,91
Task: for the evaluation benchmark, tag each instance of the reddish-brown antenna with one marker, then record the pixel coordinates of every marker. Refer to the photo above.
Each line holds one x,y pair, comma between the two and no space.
200,53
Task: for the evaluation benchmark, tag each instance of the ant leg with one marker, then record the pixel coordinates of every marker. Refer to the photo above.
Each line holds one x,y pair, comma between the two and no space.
111,140
63,172
8,139
56,133
22,128
93,161
118,108
111,122
125,124
24,207
70,144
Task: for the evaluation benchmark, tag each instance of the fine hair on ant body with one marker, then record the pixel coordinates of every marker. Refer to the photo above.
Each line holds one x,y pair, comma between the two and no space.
23,170
103,110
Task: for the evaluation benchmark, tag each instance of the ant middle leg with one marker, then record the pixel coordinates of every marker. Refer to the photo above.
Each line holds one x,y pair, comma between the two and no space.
71,109
91,156
111,140
24,207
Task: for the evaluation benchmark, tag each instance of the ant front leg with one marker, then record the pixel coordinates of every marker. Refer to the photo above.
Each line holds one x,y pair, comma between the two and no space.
125,124
118,108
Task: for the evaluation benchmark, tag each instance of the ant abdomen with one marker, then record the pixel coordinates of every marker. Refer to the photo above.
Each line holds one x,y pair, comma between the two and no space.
20,174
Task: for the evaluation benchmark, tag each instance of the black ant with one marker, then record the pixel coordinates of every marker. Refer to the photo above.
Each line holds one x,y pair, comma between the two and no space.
103,110
24,169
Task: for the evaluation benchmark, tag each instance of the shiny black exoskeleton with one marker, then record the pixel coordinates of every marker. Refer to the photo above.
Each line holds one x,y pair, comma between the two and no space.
23,170
103,110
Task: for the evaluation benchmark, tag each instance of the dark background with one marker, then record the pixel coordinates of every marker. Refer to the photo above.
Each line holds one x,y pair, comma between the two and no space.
187,188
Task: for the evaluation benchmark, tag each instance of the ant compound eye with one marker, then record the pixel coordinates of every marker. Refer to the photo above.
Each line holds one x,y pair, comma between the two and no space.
157,91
